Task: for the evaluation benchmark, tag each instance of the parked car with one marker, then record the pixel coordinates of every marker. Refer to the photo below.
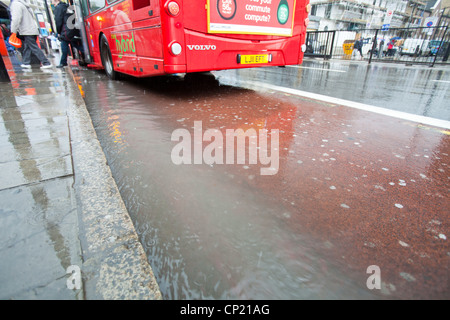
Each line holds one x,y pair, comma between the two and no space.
413,47
444,49
435,47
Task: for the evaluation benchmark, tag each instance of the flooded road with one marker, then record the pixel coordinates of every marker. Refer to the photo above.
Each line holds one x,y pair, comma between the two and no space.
414,89
352,190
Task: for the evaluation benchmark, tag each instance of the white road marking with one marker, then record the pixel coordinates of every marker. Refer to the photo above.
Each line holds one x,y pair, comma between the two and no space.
445,81
321,69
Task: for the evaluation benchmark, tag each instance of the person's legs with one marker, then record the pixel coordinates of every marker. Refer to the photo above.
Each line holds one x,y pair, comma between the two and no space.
26,53
73,45
79,46
32,47
64,52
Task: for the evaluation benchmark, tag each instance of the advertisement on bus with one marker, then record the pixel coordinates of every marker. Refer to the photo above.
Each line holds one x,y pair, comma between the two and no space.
265,17
149,38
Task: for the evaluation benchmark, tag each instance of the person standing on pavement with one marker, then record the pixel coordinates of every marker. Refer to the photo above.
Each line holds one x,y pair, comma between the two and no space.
66,34
358,46
390,51
24,25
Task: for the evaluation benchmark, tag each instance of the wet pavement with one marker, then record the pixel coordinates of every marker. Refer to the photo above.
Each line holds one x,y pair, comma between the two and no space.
353,188
64,230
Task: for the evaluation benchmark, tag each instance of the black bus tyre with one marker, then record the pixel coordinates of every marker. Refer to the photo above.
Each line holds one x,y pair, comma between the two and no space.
107,61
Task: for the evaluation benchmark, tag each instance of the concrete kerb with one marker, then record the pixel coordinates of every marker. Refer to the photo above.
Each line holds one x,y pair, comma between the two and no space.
115,265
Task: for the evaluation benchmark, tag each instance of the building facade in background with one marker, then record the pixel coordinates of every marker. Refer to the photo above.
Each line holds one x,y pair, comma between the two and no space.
36,5
39,8
353,15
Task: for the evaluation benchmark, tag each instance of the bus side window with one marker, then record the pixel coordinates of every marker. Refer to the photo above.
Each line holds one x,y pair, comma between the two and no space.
94,5
84,8
139,4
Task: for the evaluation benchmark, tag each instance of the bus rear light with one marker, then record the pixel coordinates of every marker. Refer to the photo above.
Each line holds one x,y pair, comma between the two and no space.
303,48
308,8
306,22
173,8
175,48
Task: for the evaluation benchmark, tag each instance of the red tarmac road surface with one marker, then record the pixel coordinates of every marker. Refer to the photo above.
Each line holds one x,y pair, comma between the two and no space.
369,188
373,188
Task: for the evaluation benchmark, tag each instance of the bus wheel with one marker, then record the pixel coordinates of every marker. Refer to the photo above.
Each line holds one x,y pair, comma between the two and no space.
107,62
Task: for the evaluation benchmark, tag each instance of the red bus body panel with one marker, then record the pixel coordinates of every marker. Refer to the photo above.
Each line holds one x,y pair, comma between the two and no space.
140,40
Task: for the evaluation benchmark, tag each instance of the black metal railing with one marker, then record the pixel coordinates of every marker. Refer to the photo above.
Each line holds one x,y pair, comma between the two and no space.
421,45
320,44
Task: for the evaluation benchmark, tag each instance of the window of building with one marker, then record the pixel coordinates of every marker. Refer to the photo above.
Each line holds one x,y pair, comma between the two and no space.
328,10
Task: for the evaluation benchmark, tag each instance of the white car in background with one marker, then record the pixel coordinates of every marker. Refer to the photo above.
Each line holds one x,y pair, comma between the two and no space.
414,47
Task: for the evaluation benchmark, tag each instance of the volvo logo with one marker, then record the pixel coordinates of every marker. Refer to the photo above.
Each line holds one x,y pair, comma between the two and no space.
201,47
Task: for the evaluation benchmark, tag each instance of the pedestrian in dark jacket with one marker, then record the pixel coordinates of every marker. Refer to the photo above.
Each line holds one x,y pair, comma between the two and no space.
358,46
68,34
23,24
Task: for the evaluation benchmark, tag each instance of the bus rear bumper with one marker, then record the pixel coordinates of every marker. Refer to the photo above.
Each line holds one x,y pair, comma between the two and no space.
205,50
175,68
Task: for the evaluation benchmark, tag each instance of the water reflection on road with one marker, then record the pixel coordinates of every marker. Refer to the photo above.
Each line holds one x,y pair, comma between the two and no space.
310,231
414,89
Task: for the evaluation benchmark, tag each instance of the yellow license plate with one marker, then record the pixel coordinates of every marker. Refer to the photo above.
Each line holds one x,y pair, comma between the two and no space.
254,58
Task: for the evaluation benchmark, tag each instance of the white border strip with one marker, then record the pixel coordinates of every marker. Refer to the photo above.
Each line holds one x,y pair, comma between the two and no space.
361,106
220,27
444,81
321,69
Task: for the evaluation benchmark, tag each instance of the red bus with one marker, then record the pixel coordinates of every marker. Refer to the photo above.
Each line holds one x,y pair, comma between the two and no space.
146,38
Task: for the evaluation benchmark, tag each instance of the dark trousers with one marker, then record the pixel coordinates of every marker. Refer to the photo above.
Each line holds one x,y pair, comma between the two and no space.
65,50
30,46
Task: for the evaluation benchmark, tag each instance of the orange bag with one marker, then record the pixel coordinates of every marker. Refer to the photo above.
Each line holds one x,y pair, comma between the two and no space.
14,41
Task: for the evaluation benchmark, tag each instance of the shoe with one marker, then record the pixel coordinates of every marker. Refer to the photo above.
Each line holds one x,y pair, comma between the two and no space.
61,66
27,66
46,66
